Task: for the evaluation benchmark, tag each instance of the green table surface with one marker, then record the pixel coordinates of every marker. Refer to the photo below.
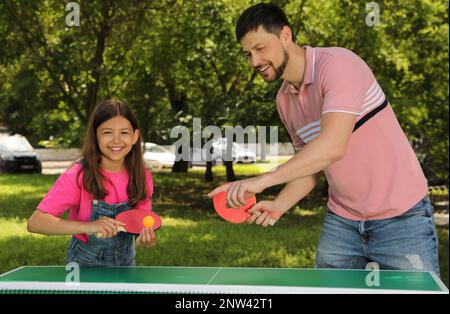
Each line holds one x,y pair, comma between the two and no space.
153,278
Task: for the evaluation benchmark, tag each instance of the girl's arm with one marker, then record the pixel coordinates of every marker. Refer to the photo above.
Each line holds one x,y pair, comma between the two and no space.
44,223
47,224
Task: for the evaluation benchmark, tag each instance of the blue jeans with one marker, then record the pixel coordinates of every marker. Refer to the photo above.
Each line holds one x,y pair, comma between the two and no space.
405,242
115,251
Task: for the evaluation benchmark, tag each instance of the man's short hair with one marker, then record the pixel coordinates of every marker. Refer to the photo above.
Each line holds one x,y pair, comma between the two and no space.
268,15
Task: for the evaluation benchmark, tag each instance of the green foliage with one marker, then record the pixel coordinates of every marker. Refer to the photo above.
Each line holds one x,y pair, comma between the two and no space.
175,60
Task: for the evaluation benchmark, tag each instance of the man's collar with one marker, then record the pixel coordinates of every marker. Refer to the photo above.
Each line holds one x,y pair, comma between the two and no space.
308,78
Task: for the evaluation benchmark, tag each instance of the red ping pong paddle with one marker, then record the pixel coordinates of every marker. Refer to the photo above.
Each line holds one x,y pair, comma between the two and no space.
136,220
231,214
235,215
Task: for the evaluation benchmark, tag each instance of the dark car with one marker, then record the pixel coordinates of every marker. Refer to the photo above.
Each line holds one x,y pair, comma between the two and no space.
17,154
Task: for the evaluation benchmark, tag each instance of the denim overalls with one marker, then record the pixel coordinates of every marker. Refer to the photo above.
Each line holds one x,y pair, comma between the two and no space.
115,251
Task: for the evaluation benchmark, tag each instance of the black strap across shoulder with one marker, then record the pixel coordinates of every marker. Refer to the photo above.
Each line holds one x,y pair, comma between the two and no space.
370,115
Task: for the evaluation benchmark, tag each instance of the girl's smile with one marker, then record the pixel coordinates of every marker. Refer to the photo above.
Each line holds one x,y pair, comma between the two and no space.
115,138
116,149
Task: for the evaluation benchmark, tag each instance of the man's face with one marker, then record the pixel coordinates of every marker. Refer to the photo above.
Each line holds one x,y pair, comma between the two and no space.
265,53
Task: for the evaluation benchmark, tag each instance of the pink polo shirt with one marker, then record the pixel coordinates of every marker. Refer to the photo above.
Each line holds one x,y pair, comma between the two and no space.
379,176
68,193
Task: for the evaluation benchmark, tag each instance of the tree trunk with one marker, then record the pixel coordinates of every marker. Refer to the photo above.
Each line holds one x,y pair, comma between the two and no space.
181,165
230,171
209,177
97,63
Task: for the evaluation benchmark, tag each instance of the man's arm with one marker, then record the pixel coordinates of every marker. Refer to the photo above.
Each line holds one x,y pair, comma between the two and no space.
295,191
264,212
329,147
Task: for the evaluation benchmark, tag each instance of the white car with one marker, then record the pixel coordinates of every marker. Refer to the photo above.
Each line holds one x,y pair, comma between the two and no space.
157,157
244,156
17,154
239,154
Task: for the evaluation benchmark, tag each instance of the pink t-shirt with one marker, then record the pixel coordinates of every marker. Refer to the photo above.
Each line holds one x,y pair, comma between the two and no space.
68,193
380,176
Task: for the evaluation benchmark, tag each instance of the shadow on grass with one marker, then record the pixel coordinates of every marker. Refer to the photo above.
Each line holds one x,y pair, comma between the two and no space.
193,236
181,195
184,243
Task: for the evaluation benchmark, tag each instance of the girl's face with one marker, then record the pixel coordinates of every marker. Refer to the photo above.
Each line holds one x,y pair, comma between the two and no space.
115,138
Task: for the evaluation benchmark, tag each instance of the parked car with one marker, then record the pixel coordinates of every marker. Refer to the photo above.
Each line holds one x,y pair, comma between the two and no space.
17,154
244,156
157,157
238,153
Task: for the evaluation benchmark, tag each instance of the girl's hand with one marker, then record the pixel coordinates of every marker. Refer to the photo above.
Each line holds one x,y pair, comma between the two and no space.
104,227
264,213
147,238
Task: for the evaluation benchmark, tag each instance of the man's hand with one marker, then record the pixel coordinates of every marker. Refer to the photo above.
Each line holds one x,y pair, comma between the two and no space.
264,213
239,191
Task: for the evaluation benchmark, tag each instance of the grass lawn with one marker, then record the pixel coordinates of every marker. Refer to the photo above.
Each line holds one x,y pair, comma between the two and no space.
192,234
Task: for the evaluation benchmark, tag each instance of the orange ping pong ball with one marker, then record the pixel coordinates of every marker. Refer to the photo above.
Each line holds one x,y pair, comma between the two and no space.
148,221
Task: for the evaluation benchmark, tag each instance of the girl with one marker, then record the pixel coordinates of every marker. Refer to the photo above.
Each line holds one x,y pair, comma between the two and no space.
109,179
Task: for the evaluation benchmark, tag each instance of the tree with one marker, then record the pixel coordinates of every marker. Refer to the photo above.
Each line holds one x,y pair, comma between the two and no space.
76,65
174,60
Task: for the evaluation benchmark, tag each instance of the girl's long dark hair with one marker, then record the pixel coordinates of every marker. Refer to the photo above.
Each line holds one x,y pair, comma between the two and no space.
93,180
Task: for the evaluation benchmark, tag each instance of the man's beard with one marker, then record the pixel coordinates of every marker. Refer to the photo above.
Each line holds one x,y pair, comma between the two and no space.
280,70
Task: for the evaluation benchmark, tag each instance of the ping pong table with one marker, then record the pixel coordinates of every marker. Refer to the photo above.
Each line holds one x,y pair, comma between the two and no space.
174,280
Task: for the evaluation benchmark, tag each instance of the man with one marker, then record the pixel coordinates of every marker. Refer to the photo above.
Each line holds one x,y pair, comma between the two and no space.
341,123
